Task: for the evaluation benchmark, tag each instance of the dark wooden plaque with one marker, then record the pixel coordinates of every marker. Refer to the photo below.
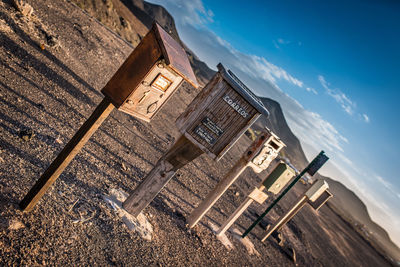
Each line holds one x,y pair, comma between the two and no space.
220,114
317,163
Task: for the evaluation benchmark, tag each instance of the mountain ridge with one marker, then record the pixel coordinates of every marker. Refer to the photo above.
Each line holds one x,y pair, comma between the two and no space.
345,201
146,13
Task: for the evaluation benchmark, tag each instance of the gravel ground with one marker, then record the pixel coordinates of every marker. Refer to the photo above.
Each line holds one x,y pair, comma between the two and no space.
53,66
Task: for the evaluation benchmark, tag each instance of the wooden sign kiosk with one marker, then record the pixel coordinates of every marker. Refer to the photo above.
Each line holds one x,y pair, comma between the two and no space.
260,154
274,183
212,123
140,87
316,195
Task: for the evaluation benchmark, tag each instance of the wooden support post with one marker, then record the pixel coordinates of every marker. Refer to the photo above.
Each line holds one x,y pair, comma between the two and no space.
227,181
242,208
67,154
235,215
182,152
287,216
217,192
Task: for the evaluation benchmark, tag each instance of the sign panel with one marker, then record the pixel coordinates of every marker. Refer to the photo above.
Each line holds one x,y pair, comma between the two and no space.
236,106
212,126
317,163
206,136
258,195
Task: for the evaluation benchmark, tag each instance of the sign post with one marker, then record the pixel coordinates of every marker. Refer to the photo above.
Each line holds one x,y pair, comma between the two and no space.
260,154
312,168
311,195
140,87
212,123
274,182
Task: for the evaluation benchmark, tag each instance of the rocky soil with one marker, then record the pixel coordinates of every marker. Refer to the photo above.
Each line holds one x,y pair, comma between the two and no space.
54,62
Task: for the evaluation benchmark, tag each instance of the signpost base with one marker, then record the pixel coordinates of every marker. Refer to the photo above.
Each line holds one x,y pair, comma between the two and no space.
178,156
67,154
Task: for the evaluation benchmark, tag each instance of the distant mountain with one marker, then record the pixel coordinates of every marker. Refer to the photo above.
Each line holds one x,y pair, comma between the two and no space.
345,202
277,123
131,19
147,13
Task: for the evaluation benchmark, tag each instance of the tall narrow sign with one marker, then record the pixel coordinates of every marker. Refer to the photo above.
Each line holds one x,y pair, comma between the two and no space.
312,168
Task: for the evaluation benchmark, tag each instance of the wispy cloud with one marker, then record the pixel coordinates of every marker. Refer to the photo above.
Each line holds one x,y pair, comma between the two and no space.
263,77
366,118
280,42
312,129
312,90
388,185
193,12
347,104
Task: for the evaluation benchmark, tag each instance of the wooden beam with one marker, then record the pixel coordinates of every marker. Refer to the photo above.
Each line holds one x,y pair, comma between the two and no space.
227,181
67,154
234,216
255,195
217,192
182,152
287,216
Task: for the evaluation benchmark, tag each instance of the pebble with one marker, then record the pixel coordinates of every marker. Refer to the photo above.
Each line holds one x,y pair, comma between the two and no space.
23,7
26,135
15,225
124,167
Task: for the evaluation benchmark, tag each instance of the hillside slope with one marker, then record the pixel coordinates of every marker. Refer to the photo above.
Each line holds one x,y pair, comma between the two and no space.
345,202
132,19
138,16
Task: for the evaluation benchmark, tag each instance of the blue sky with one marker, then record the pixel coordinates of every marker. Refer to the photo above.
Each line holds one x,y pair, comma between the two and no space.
334,66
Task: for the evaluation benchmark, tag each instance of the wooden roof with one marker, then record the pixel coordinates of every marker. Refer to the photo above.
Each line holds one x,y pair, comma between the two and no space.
175,56
242,89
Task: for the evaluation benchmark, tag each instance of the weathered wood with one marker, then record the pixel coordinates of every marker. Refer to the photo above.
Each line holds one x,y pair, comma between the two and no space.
181,153
148,98
67,154
157,45
133,70
258,195
321,200
270,151
234,216
311,195
227,181
287,216
175,56
216,193
220,114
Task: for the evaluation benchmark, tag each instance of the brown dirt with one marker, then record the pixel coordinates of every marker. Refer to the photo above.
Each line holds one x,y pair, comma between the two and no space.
52,68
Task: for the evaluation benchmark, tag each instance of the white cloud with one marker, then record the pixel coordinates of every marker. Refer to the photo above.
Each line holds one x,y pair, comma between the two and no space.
312,129
312,90
347,105
387,185
366,118
263,77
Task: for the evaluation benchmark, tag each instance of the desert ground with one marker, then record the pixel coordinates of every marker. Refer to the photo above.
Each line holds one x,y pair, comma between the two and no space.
54,63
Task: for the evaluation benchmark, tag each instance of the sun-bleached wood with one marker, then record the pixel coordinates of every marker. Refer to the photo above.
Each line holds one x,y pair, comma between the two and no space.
181,153
67,154
228,180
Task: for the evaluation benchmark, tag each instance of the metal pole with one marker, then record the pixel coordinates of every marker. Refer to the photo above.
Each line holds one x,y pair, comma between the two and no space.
280,196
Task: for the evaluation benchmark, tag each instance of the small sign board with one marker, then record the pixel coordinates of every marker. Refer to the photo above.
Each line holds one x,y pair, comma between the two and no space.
321,200
317,163
258,195
220,114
